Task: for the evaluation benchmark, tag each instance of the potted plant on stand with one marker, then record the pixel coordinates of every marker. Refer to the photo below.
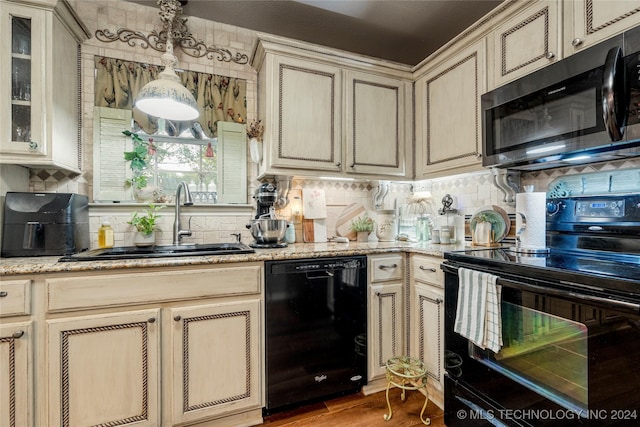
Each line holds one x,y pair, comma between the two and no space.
362,226
145,225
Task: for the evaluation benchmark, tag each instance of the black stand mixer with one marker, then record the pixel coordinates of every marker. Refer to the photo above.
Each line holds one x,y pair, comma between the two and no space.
267,231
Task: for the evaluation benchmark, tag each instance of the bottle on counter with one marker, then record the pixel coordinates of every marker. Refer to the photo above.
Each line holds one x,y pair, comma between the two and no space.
105,235
290,233
423,228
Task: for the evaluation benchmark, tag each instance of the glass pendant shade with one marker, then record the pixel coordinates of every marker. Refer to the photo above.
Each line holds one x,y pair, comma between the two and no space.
166,97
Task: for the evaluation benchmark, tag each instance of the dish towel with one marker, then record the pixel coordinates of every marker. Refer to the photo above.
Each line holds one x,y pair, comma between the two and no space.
478,316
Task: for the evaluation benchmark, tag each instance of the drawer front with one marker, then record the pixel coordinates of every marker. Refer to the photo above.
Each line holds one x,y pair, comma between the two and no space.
74,293
427,269
15,298
386,267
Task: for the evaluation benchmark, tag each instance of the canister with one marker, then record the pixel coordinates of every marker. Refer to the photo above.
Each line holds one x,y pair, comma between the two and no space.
386,225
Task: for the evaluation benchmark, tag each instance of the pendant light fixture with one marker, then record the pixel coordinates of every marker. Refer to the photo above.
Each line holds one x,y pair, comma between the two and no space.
166,97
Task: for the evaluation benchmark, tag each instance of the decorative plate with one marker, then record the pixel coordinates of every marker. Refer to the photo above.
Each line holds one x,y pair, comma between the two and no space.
500,223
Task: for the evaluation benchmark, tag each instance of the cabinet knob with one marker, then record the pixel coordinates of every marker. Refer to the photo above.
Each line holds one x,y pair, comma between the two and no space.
551,55
387,267
33,145
17,334
478,155
3,294
151,320
338,164
352,165
431,269
576,42
177,318
377,294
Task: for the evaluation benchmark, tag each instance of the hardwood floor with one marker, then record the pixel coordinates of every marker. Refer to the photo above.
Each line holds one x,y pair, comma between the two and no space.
359,410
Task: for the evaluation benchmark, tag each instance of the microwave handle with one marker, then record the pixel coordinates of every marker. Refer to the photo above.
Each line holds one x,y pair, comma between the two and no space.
613,105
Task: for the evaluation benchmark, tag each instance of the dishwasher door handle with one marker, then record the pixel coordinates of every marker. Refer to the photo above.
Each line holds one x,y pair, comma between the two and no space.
315,275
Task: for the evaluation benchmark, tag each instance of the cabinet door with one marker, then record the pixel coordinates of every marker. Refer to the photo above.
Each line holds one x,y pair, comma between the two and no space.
428,322
304,131
589,21
376,124
525,43
16,364
23,55
448,126
216,359
385,326
104,370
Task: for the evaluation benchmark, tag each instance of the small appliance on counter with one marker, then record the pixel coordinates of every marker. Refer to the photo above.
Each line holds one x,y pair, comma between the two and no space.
266,230
45,224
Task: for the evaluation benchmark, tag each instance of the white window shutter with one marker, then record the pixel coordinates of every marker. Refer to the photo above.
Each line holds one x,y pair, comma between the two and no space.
232,162
110,170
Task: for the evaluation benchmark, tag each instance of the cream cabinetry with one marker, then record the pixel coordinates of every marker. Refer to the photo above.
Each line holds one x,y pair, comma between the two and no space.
215,364
386,311
16,354
40,90
525,42
104,369
448,115
376,125
157,348
427,320
331,112
590,21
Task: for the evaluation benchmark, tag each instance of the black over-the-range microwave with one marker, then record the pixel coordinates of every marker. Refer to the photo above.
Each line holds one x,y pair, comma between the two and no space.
582,109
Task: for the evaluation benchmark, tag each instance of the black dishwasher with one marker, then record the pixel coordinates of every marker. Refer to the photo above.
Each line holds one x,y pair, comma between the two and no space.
316,322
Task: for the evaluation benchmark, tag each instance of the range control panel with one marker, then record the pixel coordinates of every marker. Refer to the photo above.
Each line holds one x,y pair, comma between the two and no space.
600,208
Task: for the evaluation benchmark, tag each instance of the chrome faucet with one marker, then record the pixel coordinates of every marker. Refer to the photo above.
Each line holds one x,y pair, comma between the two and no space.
188,201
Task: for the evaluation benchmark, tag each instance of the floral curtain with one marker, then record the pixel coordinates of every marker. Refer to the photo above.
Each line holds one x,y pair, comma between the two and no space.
218,97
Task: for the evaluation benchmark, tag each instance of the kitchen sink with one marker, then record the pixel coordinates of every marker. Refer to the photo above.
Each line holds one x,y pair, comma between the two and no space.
134,252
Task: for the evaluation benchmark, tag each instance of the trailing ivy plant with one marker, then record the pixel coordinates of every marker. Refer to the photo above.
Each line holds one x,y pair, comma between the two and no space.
140,159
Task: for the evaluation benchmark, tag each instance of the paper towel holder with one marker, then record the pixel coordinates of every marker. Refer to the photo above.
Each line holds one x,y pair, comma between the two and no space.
522,250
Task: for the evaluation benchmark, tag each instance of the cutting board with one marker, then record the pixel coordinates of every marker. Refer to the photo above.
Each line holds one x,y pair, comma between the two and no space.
343,223
314,230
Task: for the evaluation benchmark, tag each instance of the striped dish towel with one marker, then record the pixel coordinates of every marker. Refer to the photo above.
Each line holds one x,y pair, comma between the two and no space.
478,316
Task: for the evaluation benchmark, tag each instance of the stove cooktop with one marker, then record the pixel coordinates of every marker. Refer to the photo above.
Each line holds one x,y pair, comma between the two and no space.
618,273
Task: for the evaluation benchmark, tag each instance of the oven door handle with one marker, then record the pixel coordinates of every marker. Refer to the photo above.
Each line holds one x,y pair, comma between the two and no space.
624,306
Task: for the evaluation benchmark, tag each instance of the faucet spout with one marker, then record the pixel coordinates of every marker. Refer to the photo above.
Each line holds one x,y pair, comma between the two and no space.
188,201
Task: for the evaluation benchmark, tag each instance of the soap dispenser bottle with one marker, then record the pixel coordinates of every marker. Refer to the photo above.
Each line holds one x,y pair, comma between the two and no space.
105,235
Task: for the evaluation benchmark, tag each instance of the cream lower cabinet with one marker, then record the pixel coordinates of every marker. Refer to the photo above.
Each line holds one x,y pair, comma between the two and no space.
386,311
427,321
214,365
104,369
16,370
152,347
448,114
16,354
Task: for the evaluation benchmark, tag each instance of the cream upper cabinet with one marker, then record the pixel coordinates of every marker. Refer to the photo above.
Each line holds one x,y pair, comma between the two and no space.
448,125
40,100
104,369
376,124
302,115
589,21
215,368
329,112
386,310
524,43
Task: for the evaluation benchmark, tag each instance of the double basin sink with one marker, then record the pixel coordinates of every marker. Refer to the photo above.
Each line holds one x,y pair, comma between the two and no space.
135,252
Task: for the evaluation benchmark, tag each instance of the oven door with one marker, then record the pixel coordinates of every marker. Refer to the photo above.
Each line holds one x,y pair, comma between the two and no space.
565,357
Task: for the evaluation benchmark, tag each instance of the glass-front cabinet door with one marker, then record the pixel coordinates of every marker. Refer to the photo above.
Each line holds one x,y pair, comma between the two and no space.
22,112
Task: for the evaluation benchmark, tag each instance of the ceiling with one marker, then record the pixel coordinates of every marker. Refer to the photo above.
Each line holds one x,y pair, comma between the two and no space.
395,30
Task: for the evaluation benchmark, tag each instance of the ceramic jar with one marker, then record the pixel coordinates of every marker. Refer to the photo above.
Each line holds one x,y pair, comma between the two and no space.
386,225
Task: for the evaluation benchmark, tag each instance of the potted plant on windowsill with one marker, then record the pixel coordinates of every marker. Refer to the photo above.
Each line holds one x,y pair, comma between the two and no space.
145,225
140,158
362,226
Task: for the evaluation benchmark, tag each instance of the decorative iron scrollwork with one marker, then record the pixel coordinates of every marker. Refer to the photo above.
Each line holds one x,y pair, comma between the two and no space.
158,40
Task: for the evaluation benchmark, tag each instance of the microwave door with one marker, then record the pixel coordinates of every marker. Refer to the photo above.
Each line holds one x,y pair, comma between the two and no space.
614,105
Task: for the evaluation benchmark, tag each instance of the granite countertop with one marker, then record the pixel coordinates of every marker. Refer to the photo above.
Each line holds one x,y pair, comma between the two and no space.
37,265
